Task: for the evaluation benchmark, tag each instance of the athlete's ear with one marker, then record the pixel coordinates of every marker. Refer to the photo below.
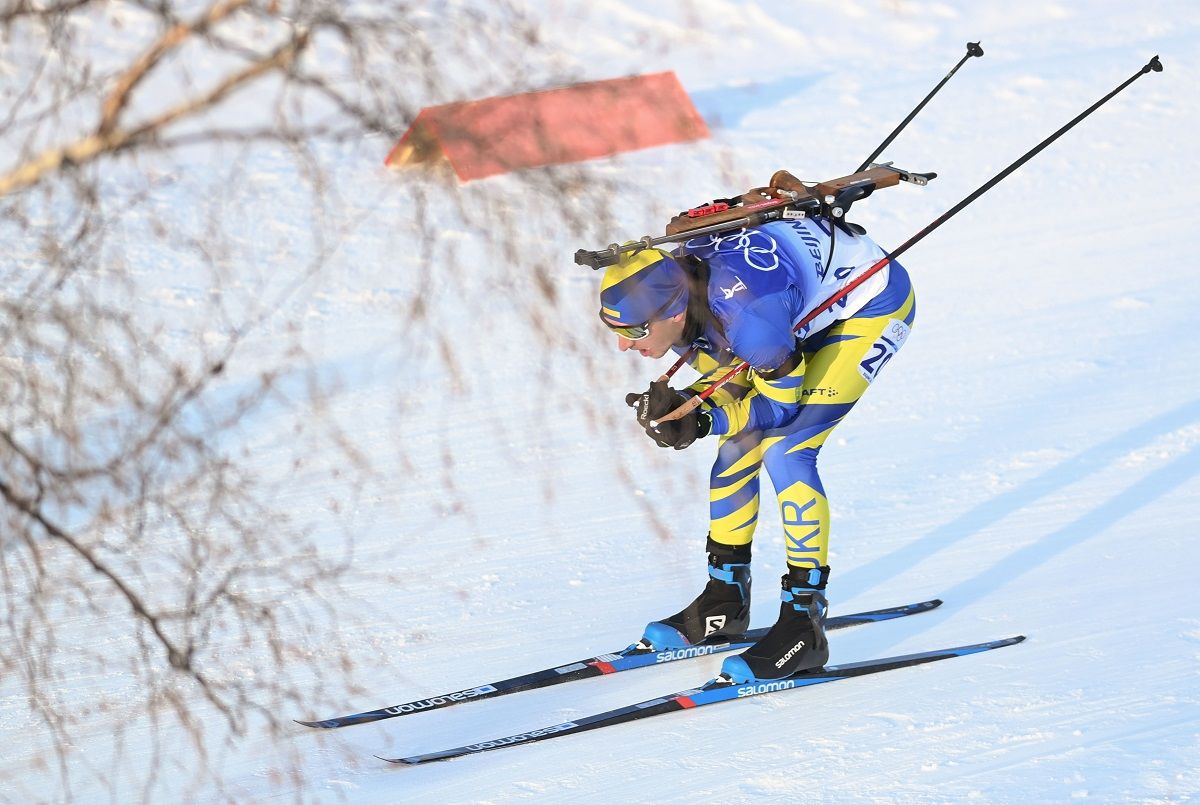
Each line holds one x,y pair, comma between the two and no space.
679,316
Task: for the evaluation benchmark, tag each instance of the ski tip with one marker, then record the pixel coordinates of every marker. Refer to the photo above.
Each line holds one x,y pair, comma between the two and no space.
921,606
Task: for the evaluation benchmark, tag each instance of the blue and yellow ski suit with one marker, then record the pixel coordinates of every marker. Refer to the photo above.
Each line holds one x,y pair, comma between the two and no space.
762,281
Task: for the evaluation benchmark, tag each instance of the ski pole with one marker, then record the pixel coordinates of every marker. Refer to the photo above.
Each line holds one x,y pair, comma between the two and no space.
769,208
973,49
675,367
1154,65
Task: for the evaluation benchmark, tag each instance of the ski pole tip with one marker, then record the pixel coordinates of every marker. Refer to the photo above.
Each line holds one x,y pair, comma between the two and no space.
973,49
1154,64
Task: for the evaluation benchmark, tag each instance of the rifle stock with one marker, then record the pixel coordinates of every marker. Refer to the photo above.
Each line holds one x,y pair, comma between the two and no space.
787,193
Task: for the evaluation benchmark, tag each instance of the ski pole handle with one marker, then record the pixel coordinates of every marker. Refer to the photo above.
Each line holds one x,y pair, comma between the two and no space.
694,402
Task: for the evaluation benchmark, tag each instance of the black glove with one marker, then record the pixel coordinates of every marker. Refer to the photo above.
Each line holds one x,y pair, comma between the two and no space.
680,433
658,400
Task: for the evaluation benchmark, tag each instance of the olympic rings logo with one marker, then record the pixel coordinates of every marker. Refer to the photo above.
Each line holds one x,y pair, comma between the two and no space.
759,249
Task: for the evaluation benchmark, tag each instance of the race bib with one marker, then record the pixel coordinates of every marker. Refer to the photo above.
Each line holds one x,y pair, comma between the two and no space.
887,345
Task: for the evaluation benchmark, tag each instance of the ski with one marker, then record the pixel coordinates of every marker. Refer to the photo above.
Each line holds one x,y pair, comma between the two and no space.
716,690
625,660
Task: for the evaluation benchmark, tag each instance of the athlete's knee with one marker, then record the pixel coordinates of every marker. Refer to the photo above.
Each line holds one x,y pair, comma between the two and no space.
785,461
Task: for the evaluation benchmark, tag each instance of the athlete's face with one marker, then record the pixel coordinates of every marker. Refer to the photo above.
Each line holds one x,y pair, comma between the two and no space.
661,336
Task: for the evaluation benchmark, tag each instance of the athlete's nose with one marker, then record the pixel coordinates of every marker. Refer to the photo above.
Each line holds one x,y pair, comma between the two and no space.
624,343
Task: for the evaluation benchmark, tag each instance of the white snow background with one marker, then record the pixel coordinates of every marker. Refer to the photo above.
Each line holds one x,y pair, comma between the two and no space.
1032,456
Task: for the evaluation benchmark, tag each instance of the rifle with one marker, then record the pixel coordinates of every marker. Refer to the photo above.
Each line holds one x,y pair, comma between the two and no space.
784,198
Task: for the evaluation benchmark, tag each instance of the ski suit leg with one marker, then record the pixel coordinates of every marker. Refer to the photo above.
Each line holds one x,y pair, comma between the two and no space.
844,360
733,489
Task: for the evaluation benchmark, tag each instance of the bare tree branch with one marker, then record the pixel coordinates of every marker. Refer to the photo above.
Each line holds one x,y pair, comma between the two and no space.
176,474
24,8
172,39
108,140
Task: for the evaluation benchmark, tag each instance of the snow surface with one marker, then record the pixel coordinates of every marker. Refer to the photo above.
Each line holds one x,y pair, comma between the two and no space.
1032,456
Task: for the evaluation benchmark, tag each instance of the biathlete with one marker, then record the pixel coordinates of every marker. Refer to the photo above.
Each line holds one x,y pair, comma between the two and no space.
735,297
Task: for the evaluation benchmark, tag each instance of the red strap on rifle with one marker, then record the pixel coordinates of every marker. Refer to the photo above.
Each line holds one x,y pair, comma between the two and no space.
707,209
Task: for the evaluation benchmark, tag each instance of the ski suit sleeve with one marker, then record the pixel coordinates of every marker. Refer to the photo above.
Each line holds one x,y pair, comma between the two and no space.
762,335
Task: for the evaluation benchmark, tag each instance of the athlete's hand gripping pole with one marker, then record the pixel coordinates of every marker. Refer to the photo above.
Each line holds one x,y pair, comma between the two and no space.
1154,65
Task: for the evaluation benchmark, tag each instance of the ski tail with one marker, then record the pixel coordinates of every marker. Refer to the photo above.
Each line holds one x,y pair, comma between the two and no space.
716,690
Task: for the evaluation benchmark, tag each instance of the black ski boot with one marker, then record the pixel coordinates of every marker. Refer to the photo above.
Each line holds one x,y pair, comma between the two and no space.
722,610
797,641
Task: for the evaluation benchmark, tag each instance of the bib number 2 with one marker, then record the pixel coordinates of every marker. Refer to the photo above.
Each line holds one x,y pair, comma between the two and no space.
887,345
